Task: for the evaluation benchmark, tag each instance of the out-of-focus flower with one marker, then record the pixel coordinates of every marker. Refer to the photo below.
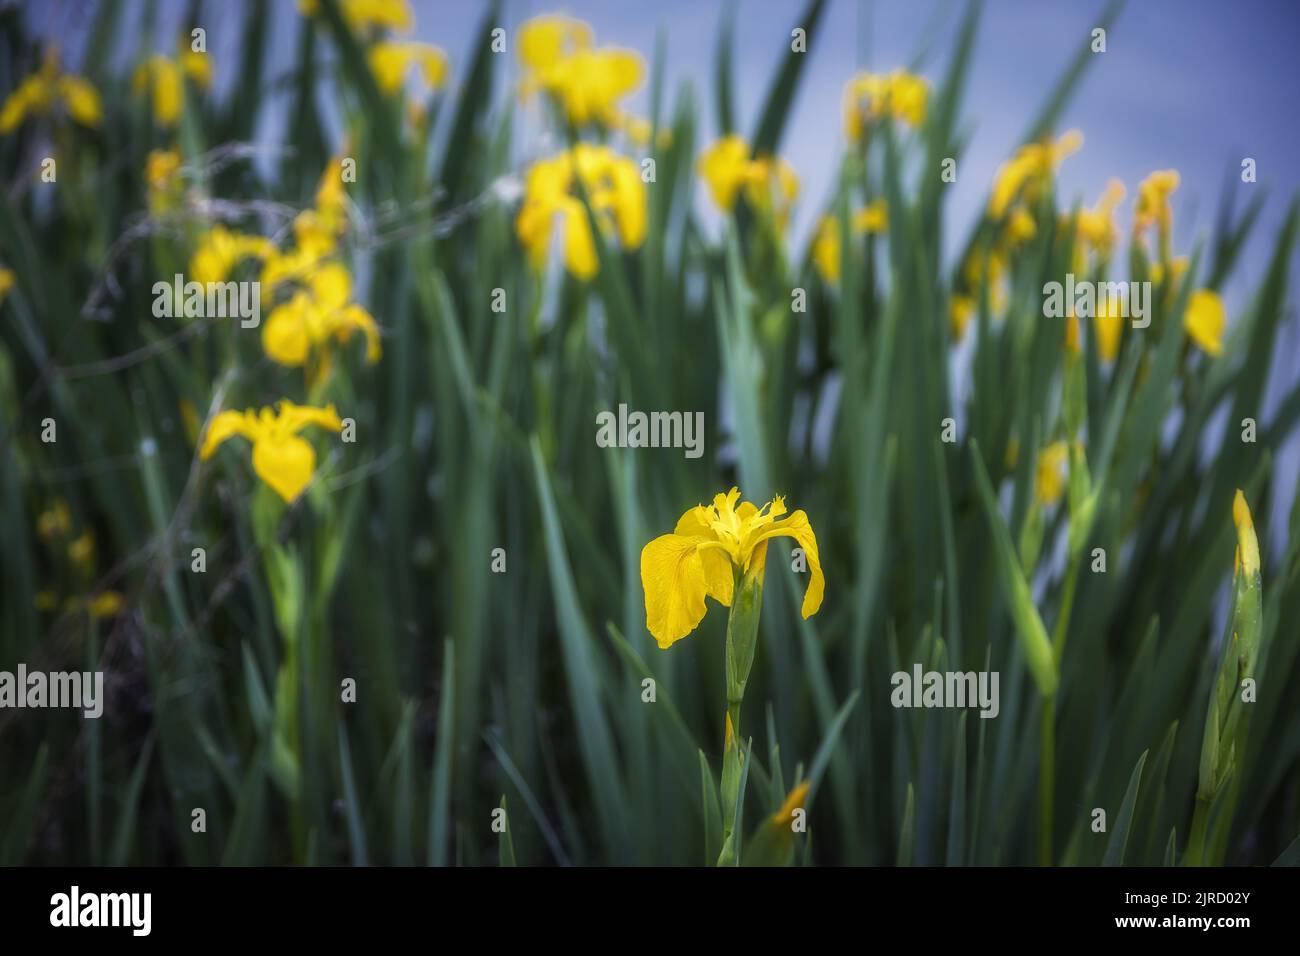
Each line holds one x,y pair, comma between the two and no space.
1096,226
161,173
322,313
872,218
1109,323
1025,173
281,457
40,93
960,311
55,521
362,14
1177,267
709,546
220,250
770,185
617,196
81,550
1152,206
868,97
1205,320
164,79
391,60
7,280
316,231
587,83
1049,473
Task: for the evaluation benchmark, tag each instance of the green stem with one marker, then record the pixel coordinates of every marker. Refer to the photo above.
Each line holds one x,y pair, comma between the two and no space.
1047,745
1195,855
1046,780
742,636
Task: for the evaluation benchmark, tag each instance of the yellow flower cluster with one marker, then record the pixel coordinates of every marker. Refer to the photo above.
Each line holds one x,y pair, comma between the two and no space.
559,59
40,93
769,184
614,188
54,526
872,218
162,174
870,97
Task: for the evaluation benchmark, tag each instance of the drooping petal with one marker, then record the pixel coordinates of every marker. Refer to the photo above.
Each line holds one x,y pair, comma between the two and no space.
284,335
674,581
225,425
295,418
796,526
82,100
286,463
354,317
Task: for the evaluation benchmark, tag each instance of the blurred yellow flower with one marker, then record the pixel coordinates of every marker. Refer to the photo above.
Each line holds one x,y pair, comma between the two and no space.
1205,320
164,79
960,311
221,249
81,550
281,458
872,218
617,197
793,801
1177,266
1152,204
545,40
316,316
1024,174
1108,323
361,14
161,167
104,604
1096,226
868,97
587,83
708,549
391,60
41,92
55,521
316,231
770,185
1049,474
7,280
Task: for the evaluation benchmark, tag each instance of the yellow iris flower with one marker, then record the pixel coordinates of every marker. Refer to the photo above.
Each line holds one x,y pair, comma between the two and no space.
1025,173
163,78
41,92
1096,226
281,458
161,167
1049,475
869,97
872,218
390,61
220,250
316,231
558,59
770,185
1152,205
1109,324
1205,320
617,197
710,547
7,280
316,316
361,14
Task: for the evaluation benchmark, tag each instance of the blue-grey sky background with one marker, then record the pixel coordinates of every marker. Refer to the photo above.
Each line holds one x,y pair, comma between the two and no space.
1194,85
